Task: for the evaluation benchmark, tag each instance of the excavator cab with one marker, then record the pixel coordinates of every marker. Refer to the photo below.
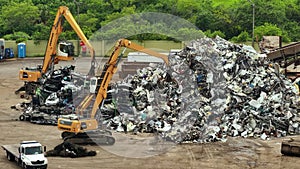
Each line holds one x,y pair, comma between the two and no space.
55,52
65,49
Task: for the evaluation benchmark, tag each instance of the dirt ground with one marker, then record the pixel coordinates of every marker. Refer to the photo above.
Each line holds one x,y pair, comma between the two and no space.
130,151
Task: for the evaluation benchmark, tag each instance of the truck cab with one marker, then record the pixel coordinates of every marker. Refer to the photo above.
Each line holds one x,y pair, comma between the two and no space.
27,154
32,154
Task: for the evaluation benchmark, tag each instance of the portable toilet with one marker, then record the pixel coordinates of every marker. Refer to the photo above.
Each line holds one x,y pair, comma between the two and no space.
2,47
9,53
21,50
12,53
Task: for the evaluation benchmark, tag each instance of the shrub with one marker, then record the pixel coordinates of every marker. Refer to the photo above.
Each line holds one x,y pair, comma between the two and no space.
242,37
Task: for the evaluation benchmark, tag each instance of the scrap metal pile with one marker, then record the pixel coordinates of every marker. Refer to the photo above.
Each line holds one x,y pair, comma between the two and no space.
211,89
53,97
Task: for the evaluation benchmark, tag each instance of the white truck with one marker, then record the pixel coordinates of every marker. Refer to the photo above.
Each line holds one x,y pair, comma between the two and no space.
27,154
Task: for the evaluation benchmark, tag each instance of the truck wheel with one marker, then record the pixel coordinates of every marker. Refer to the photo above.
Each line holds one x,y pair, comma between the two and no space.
22,118
24,166
22,96
110,141
9,156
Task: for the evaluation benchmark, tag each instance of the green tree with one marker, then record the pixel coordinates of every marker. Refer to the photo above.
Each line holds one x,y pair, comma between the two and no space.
41,32
242,37
293,30
204,19
100,10
269,30
270,11
232,17
210,34
222,20
19,17
125,11
17,36
4,2
188,8
266,11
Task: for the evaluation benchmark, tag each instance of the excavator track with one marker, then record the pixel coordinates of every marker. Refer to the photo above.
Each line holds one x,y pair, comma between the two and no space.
99,137
290,147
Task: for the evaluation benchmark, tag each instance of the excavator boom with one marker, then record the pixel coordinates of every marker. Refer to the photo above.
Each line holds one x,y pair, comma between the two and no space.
77,126
52,55
63,10
111,67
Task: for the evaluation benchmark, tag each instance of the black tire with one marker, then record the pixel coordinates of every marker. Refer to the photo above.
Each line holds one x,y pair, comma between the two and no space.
24,166
9,156
22,118
110,141
22,96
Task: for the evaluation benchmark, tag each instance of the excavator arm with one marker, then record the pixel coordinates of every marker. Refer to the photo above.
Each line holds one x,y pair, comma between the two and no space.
51,56
54,55
111,68
102,83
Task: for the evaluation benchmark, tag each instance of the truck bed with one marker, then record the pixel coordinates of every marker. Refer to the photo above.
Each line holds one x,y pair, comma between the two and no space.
12,148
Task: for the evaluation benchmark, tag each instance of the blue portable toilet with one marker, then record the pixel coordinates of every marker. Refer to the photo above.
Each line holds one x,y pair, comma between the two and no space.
12,53
9,53
21,50
2,46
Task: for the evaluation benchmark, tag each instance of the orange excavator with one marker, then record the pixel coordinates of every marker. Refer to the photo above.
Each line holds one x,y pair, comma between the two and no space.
55,52
86,130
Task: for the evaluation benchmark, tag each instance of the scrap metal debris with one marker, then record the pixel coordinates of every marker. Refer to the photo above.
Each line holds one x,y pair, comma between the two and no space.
212,89
67,149
53,97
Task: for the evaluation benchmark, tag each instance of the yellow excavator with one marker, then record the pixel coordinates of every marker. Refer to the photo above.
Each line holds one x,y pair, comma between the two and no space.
55,52
85,130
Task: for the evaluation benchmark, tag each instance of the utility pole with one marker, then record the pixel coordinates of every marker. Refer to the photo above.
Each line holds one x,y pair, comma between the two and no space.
78,43
253,20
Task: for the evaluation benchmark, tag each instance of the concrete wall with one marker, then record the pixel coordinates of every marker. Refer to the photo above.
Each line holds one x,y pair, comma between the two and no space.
102,48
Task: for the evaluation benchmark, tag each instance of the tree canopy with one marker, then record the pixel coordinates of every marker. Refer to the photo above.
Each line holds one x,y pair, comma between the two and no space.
231,19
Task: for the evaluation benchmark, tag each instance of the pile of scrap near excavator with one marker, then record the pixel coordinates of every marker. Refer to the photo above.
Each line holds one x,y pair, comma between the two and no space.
212,89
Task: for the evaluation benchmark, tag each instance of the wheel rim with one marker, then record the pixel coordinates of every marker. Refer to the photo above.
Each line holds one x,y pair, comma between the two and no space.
22,118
